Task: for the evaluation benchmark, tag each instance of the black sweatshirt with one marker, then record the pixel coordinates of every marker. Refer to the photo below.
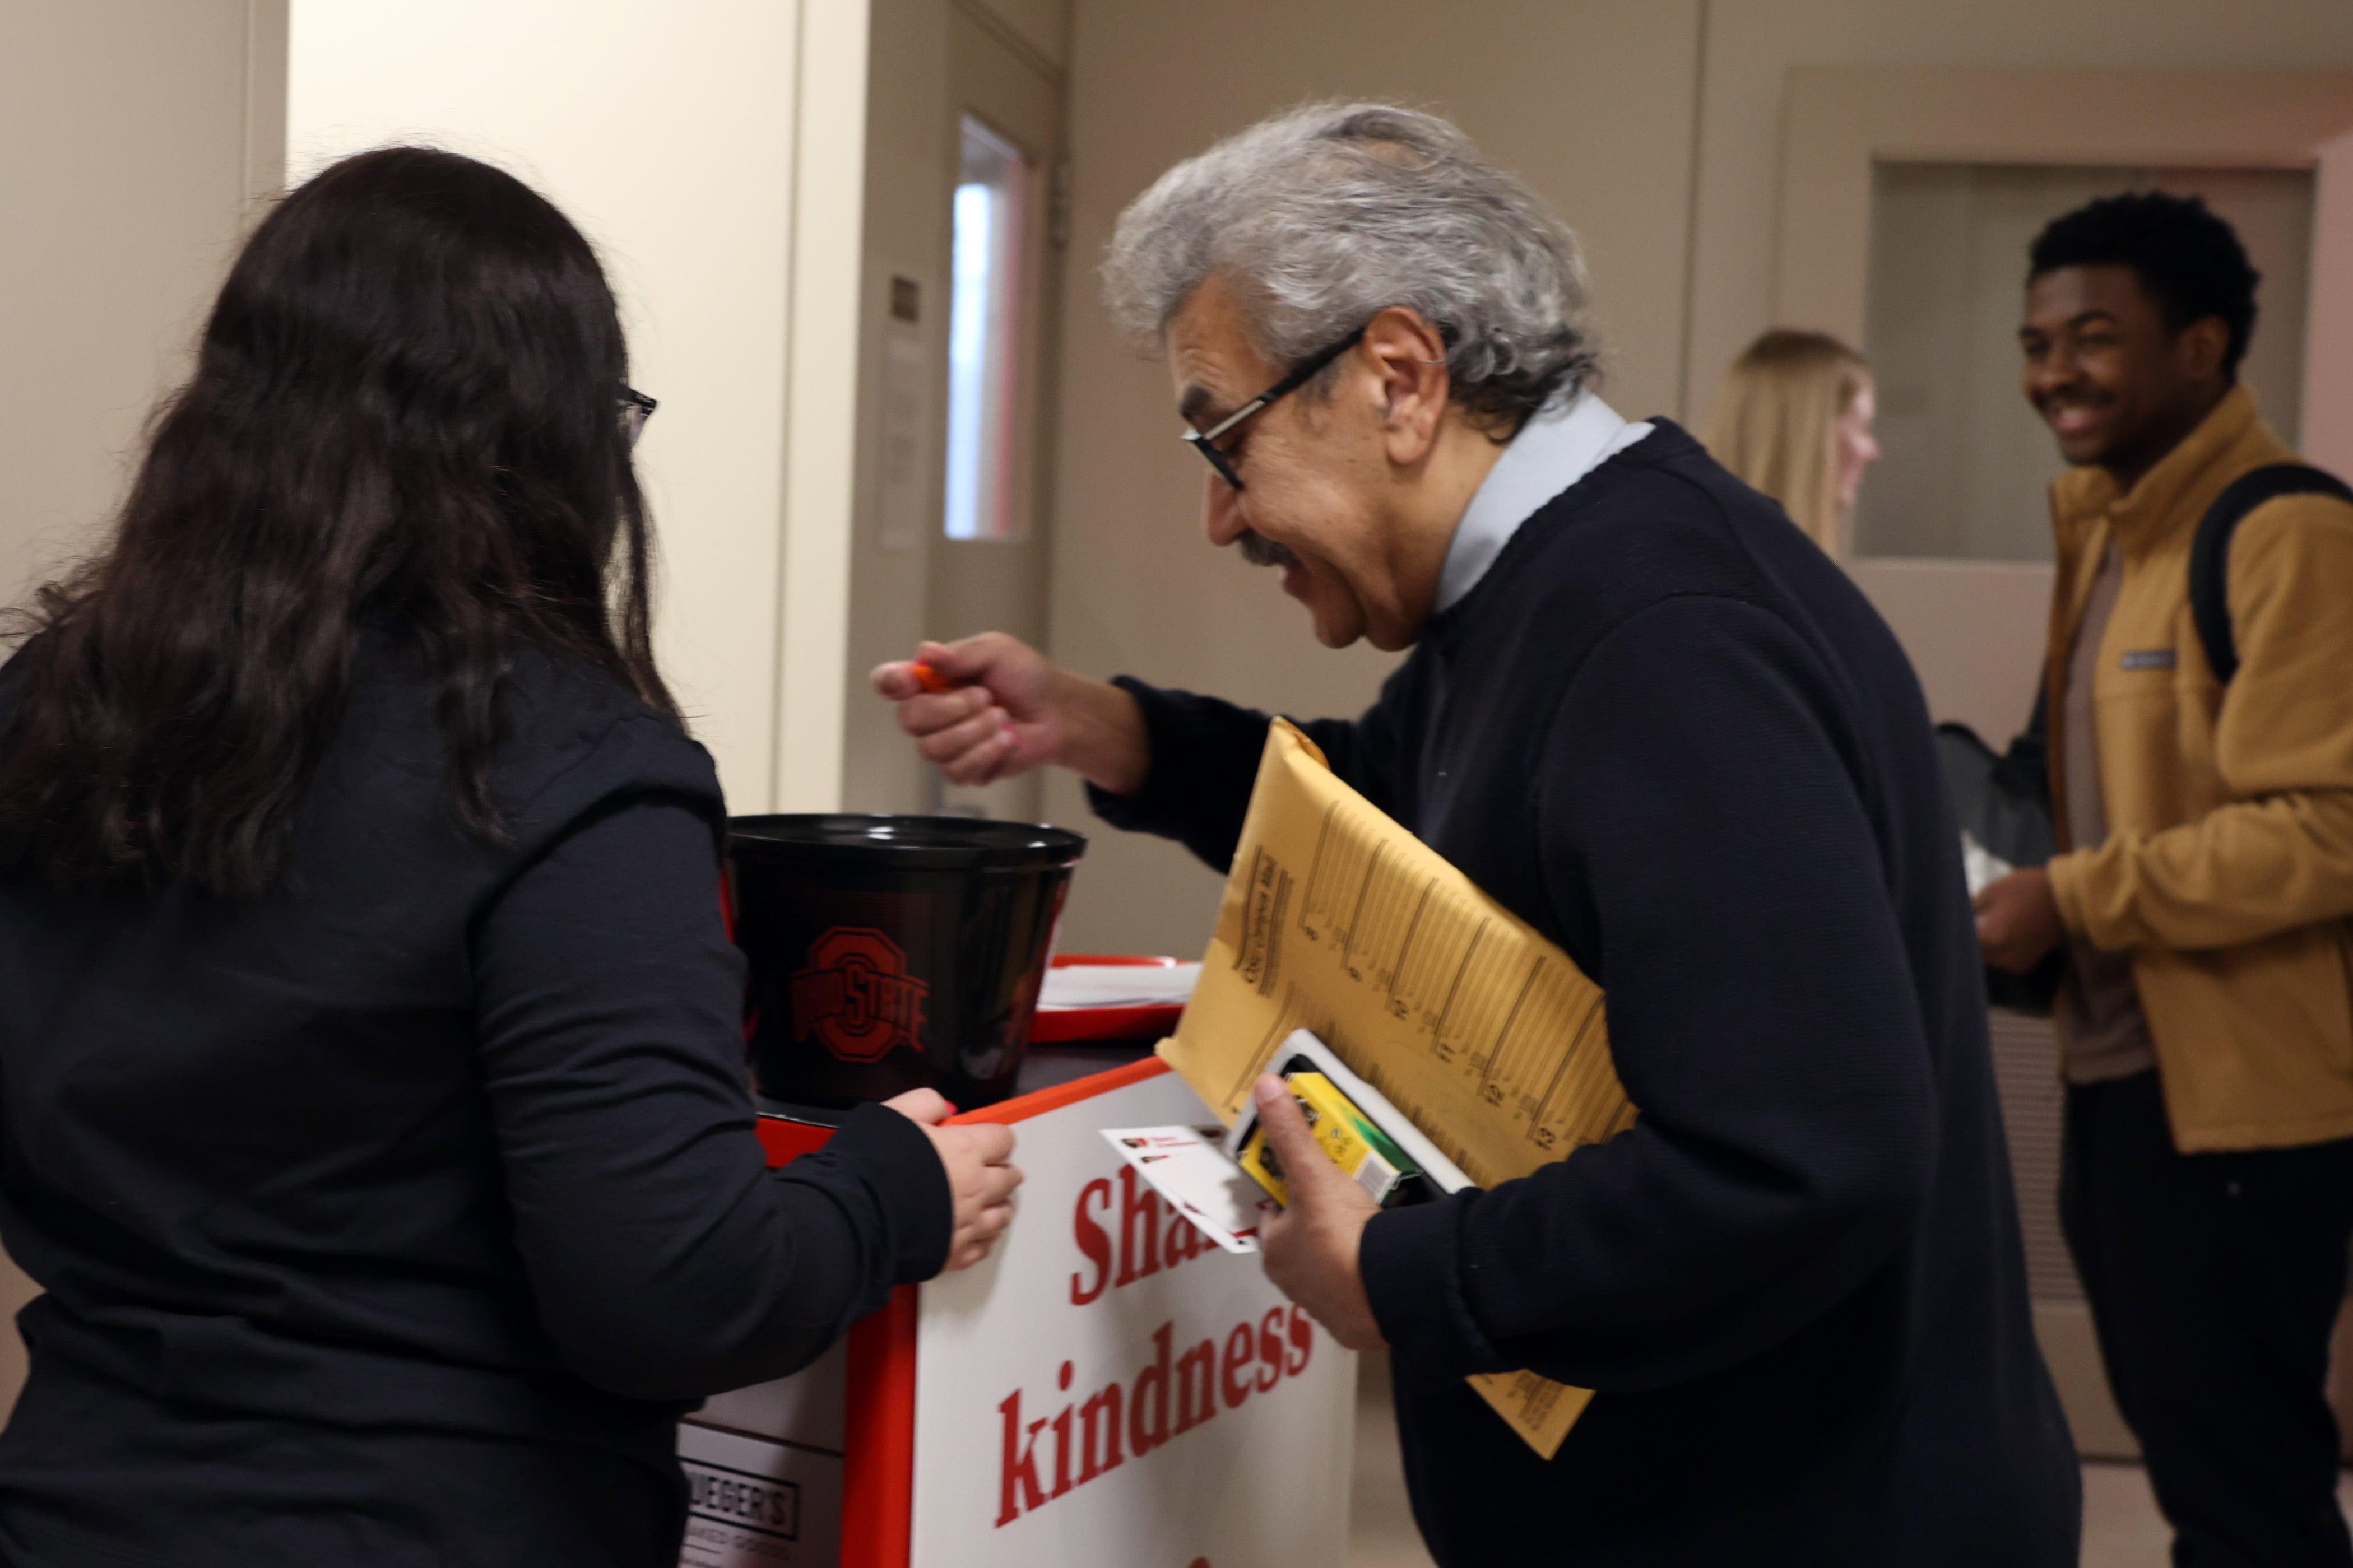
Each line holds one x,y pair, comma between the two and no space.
1666,731
392,1219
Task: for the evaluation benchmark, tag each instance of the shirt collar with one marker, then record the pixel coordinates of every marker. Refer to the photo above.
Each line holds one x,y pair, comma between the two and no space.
1552,451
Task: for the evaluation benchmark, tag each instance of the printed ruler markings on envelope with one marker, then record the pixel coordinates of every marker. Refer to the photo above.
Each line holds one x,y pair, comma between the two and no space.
1484,1033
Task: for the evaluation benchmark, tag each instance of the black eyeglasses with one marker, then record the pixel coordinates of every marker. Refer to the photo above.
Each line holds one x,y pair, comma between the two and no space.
1202,441
635,409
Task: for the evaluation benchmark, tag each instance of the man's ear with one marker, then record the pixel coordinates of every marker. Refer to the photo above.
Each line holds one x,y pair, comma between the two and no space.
1410,383
2202,346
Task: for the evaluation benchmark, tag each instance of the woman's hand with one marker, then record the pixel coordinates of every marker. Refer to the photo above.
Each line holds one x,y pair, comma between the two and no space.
981,1176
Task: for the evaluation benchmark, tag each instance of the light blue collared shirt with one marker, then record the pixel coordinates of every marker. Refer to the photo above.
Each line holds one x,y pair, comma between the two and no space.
1551,452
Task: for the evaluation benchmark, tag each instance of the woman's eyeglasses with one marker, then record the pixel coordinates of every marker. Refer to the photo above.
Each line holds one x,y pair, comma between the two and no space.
635,409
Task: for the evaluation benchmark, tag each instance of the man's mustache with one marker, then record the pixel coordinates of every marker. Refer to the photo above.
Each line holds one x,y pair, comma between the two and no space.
1260,551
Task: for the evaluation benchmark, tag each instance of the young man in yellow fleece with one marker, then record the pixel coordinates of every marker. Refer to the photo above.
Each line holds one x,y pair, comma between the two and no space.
2205,883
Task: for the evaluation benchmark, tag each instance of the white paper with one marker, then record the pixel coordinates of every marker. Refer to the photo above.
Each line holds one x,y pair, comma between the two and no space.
1188,1167
1980,866
1119,986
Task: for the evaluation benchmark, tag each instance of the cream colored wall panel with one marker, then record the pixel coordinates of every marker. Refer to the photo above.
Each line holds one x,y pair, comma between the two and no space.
2327,436
1974,631
124,180
1043,27
669,133
821,437
265,98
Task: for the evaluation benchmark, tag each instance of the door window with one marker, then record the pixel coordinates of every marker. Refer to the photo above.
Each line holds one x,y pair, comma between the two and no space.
994,197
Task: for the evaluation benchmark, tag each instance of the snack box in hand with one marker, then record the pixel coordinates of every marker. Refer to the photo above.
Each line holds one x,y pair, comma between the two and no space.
1355,1126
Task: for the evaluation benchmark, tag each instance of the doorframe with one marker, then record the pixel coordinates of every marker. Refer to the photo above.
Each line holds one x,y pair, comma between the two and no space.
996,79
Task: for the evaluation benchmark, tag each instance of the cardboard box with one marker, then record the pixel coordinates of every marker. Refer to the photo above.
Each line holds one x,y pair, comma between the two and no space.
756,1503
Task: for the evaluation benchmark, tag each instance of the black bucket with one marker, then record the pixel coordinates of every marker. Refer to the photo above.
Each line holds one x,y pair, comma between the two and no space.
895,953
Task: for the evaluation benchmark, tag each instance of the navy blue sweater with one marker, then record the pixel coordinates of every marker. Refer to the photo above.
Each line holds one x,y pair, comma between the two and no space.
1671,734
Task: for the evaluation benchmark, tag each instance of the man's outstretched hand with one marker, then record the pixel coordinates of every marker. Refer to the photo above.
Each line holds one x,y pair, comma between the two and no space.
995,707
1310,1245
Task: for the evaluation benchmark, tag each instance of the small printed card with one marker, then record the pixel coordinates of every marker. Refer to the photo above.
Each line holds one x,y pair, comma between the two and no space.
1188,1166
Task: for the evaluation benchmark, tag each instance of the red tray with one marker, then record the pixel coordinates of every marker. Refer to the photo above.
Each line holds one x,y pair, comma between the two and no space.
1064,1026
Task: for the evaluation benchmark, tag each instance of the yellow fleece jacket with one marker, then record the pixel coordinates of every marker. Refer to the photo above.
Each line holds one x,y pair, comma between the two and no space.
2228,869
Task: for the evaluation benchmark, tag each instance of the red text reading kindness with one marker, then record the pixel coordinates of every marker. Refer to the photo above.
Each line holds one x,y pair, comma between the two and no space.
1048,1457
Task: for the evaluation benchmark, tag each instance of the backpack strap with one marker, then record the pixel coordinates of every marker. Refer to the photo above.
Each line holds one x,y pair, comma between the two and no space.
2209,555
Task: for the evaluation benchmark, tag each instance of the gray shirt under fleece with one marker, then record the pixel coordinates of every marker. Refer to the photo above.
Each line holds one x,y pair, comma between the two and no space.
2103,1033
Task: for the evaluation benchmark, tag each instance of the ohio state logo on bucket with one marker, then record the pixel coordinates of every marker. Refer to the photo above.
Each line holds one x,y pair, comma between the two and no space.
856,996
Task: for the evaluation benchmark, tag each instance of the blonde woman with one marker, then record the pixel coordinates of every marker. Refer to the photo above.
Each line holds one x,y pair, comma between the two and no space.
1794,420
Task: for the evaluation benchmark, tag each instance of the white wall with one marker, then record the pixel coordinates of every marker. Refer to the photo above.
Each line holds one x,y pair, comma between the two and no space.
125,176
700,147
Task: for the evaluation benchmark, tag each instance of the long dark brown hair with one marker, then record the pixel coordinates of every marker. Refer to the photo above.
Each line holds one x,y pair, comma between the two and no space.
404,409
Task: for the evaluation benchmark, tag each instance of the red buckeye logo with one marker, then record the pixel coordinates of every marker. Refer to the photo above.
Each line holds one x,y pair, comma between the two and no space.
856,996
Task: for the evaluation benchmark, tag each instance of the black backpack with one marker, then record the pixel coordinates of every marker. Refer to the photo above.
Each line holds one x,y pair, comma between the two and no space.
2003,799
2210,554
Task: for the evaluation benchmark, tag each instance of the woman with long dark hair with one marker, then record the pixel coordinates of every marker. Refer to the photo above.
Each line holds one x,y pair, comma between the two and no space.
371,1098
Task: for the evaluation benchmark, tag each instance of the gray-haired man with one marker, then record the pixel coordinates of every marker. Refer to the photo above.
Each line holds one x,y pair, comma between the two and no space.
1648,714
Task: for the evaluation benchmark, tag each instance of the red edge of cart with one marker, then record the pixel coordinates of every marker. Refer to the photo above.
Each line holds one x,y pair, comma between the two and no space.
878,1476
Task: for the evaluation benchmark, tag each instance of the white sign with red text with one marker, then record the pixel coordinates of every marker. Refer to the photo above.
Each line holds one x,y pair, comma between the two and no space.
1112,1389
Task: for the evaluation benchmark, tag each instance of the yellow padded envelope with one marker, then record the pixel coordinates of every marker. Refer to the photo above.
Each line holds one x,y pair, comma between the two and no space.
1337,920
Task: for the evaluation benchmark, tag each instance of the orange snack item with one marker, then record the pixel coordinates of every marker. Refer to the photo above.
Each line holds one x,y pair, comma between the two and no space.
931,680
